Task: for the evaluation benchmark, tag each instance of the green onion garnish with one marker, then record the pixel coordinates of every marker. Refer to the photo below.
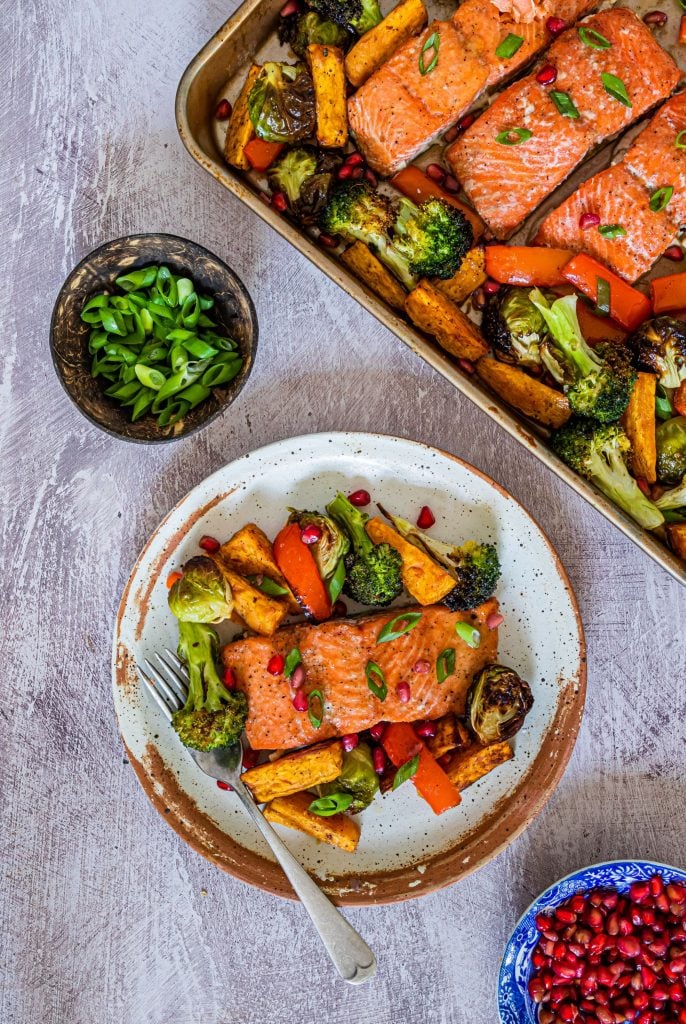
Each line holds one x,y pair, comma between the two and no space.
432,43
445,664
611,231
664,410
615,87
469,634
270,587
602,302
325,806
591,38
293,659
398,627
379,689
680,140
406,771
509,46
660,199
315,697
513,136
564,103
335,584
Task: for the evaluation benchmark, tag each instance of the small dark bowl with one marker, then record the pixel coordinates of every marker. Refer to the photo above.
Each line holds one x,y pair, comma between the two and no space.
234,311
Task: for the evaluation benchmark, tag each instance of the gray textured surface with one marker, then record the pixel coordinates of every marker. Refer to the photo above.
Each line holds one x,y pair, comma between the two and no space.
104,916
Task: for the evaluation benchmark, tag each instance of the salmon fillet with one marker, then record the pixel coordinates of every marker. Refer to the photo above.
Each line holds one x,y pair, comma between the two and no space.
335,655
621,195
506,183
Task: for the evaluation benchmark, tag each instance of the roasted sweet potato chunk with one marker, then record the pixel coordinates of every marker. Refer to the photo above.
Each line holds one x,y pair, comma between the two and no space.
467,766
433,312
293,812
639,422
371,271
451,734
295,772
250,553
423,578
240,129
530,396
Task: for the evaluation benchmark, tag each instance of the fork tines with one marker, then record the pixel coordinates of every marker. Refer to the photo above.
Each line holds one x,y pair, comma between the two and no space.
167,683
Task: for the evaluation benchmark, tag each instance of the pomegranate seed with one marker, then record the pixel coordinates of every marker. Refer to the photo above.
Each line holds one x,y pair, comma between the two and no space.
403,692
350,741
605,976
357,173
209,544
678,965
279,202
555,26
426,518
275,665
594,919
565,971
656,885
538,959
655,18
658,947
610,900
377,731
542,922
625,926
344,172
584,936
648,978
660,993
676,992
466,122
224,785
559,951
565,915
467,366
547,75
612,925
451,184
354,159
588,220
648,917
435,172
300,701
379,759
491,288
312,534
340,608
676,892
674,253
451,134
628,945
229,678
567,1012
371,177
298,677
536,990
249,757
222,111
292,7
173,578
577,904
644,485
360,498
328,241
421,667
427,730
682,1017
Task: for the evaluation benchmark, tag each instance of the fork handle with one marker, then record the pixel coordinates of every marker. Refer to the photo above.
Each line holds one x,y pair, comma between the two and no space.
351,956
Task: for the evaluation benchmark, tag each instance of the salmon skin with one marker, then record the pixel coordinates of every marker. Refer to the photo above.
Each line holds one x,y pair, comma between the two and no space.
336,655
507,176
621,196
399,111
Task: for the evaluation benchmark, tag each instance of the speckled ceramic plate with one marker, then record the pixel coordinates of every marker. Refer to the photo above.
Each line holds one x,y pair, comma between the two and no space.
405,850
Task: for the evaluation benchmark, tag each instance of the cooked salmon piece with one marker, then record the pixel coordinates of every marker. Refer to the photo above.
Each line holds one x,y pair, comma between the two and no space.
655,160
507,182
618,198
335,655
487,30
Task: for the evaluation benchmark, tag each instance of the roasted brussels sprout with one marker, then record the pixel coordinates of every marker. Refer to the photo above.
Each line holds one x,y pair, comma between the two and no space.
357,778
659,347
497,703
355,15
299,30
515,327
281,103
331,547
674,498
670,438
305,176
202,594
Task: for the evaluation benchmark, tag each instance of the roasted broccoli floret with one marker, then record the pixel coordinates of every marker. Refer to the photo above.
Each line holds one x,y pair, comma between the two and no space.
659,346
498,701
414,241
291,171
354,15
475,567
602,380
212,716
202,594
598,452
299,30
373,571
670,438
514,327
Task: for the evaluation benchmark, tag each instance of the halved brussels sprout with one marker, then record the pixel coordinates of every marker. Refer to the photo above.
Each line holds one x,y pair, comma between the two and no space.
497,703
202,594
331,547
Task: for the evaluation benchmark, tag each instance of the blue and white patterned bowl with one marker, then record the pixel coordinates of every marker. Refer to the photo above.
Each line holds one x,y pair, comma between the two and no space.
514,1003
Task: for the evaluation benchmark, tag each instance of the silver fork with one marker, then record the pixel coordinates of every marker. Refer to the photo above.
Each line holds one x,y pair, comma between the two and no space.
351,956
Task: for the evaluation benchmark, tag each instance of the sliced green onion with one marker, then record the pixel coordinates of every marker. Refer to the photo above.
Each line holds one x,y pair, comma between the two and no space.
379,689
195,394
615,87
398,627
221,373
142,404
149,377
660,198
271,588
199,348
335,803
594,39
445,664
190,311
316,719
166,286
664,410
513,136
206,302
184,288
174,412
432,43
406,771
509,46
137,279
122,392
602,301
564,103
470,635
335,584
612,231
672,515
97,340
118,353
293,659
680,140
112,321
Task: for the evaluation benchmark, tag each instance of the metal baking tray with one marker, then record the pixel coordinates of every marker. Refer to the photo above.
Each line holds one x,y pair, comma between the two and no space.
218,71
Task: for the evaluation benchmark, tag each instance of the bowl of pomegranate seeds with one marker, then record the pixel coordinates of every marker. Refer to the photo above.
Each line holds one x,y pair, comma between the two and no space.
604,945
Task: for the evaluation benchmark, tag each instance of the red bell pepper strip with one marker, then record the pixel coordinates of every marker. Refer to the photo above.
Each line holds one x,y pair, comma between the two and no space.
401,743
261,154
419,187
682,30
526,264
668,293
296,562
597,328
628,306
679,399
